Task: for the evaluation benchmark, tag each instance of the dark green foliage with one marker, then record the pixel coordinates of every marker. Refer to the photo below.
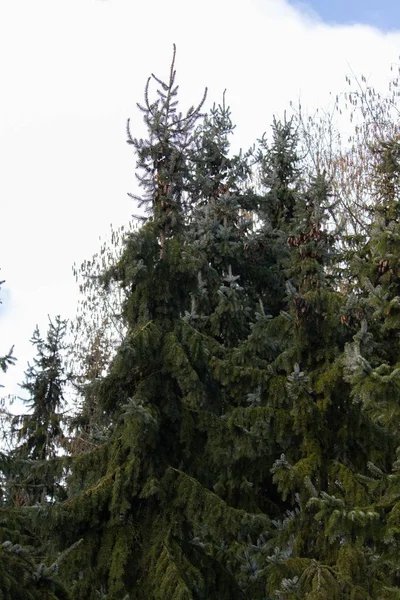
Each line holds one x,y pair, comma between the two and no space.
373,359
149,500
23,579
23,574
243,441
39,434
281,186
236,463
218,231
325,440
280,174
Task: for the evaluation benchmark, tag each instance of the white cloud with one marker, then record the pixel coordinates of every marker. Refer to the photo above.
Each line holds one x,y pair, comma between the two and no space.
72,72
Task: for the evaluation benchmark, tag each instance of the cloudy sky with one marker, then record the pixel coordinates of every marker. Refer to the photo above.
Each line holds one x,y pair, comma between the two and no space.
71,72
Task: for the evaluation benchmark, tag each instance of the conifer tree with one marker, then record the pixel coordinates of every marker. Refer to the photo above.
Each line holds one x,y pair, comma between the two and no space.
280,185
39,433
373,360
147,499
23,575
241,442
280,174
218,231
326,441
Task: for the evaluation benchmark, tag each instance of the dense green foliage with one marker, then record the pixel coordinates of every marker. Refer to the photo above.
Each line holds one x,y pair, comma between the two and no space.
242,440
39,436
27,477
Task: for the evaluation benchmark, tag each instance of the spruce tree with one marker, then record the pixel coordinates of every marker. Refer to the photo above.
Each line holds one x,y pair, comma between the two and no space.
241,443
280,177
149,499
326,441
23,574
39,433
218,231
280,173
373,360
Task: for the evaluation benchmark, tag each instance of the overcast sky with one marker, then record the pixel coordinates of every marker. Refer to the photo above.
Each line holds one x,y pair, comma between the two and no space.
71,72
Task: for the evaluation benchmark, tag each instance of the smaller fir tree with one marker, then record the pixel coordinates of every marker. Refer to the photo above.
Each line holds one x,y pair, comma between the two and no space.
39,433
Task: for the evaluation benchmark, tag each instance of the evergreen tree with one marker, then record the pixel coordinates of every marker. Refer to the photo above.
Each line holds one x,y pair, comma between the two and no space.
39,433
280,174
162,158
218,231
280,186
373,360
23,576
326,441
147,499
242,439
